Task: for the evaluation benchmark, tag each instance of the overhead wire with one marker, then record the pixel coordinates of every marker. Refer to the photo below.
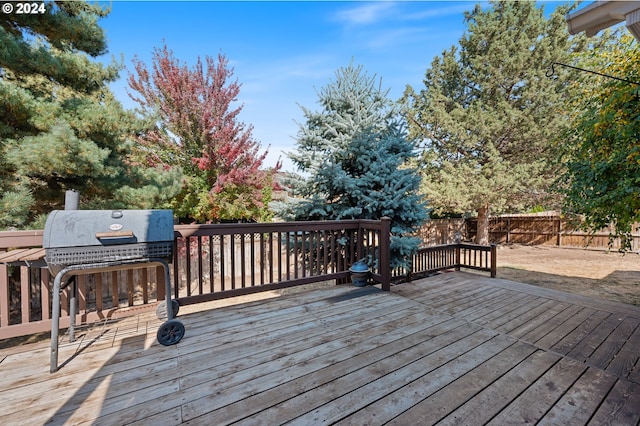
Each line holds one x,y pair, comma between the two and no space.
551,71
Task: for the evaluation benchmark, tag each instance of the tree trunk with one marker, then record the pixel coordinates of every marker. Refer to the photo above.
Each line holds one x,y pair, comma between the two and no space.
482,235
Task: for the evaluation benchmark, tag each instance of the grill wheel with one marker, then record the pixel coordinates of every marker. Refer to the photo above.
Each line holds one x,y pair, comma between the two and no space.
170,332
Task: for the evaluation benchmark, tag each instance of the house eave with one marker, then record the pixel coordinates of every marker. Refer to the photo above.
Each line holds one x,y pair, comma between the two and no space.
602,14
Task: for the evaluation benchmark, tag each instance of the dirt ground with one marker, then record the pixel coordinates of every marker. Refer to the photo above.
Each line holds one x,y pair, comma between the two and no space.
601,274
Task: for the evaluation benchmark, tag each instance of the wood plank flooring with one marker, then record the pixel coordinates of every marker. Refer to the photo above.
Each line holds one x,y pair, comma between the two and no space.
457,348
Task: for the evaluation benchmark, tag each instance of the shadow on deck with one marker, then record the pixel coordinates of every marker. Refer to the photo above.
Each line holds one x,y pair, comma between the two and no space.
457,348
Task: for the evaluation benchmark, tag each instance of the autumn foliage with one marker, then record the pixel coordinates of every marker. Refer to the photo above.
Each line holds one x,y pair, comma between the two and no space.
196,128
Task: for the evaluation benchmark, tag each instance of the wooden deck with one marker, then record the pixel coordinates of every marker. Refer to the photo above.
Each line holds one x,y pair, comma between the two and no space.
457,348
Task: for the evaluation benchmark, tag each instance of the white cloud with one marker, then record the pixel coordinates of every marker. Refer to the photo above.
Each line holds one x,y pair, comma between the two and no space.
365,14
374,13
455,8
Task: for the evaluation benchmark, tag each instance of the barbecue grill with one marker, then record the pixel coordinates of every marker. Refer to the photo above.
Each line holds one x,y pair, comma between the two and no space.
78,242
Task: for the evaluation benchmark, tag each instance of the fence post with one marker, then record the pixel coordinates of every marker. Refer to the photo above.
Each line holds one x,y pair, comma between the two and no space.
494,261
458,263
559,239
385,253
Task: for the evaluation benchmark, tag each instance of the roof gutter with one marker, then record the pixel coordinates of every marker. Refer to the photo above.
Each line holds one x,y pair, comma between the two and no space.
602,14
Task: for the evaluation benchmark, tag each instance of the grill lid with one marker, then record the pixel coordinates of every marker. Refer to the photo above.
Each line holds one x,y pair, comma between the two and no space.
85,228
79,237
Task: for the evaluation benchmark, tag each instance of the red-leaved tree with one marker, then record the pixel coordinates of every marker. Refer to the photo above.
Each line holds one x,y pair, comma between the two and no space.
196,127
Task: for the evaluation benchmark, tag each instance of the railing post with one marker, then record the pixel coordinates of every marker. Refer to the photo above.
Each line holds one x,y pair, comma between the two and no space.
359,243
458,262
494,261
4,295
384,259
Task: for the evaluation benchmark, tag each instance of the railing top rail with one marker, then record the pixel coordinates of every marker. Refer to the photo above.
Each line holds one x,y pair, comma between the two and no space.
11,239
475,246
372,223
438,247
245,228
33,238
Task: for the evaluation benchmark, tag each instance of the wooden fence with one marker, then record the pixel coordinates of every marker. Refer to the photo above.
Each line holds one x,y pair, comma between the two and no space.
546,230
443,231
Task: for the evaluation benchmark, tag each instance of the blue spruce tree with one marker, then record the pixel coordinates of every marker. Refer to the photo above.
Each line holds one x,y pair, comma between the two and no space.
356,153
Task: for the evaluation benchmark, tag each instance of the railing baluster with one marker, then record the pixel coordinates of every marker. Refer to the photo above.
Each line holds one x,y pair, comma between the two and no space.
263,258
243,261
303,251
318,238
212,269
297,251
64,302
25,301
45,294
200,267
4,295
252,250
160,283
176,271
115,291
232,247
129,276
188,264
289,250
279,236
145,286
222,263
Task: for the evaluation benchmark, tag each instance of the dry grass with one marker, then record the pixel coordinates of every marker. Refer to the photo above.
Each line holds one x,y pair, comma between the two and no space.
600,274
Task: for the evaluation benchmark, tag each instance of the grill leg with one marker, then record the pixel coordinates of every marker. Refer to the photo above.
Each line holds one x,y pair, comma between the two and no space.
167,293
55,321
72,310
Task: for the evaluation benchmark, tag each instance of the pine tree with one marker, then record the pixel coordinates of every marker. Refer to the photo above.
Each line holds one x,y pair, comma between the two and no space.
60,127
488,115
198,130
356,153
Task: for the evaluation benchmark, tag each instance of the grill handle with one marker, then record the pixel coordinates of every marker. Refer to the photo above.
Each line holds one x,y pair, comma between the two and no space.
114,234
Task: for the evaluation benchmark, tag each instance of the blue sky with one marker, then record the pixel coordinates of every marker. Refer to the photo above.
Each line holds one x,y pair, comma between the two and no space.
282,52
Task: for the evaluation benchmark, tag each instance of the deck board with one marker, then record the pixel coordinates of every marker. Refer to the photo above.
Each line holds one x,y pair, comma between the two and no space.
456,348
406,408
492,399
539,397
581,400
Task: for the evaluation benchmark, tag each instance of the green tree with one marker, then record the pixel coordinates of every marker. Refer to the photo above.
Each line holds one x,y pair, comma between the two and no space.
355,151
488,114
60,127
602,178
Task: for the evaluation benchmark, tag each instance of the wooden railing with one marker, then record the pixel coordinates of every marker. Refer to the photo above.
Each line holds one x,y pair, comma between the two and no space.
210,262
218,261
429,260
